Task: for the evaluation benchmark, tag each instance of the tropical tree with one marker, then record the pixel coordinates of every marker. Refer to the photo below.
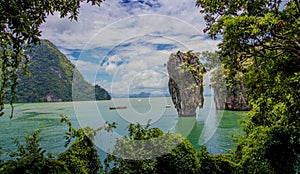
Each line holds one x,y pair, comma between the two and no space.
149,150
31,158
215,164
80,157
260,38
20,22
210,60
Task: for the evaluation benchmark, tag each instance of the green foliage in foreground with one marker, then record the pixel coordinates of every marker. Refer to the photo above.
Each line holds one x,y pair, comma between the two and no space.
145,150
215,164
31,158
80,157
260,39
149,150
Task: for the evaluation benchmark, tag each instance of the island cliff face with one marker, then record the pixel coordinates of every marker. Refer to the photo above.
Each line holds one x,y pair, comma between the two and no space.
53,78
186,82
229,97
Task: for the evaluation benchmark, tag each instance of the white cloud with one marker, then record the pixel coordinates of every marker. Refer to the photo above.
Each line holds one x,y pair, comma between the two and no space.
137,39
111,68
150,79
86,66
93,19
145,81
136,65
114,59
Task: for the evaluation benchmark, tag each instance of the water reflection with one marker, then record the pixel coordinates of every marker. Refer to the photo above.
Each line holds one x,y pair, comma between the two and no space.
201,128
212,119
185,125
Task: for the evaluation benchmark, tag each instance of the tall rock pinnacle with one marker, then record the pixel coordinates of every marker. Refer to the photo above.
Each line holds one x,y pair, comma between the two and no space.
186,82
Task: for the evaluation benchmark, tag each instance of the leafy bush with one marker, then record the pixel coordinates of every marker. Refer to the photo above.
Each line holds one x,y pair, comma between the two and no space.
31,159
80,157
149,150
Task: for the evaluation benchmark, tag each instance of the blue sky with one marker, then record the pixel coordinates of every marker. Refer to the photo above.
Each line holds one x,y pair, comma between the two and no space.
124,44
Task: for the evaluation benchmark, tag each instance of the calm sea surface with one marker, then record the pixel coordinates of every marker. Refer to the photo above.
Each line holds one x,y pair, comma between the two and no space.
210,127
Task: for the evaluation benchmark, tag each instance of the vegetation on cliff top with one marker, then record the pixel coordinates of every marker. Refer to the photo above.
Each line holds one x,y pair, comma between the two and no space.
51,78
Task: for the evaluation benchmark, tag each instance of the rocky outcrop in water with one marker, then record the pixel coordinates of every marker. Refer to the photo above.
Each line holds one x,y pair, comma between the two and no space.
186,82
229,97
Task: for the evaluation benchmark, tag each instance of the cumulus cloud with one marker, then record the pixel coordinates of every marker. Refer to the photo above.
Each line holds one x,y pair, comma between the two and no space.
145,81
93,19
114,59
111,68
150,79
124,44
136,65
85,66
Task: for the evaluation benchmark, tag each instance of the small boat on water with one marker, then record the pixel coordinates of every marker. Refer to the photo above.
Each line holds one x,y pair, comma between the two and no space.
168,105
117,107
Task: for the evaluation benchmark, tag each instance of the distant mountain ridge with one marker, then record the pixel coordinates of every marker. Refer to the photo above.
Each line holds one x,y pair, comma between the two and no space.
54,78
147,95
140,95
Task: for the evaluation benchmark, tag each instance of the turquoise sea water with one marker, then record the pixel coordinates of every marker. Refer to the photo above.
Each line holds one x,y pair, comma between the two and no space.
210,127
